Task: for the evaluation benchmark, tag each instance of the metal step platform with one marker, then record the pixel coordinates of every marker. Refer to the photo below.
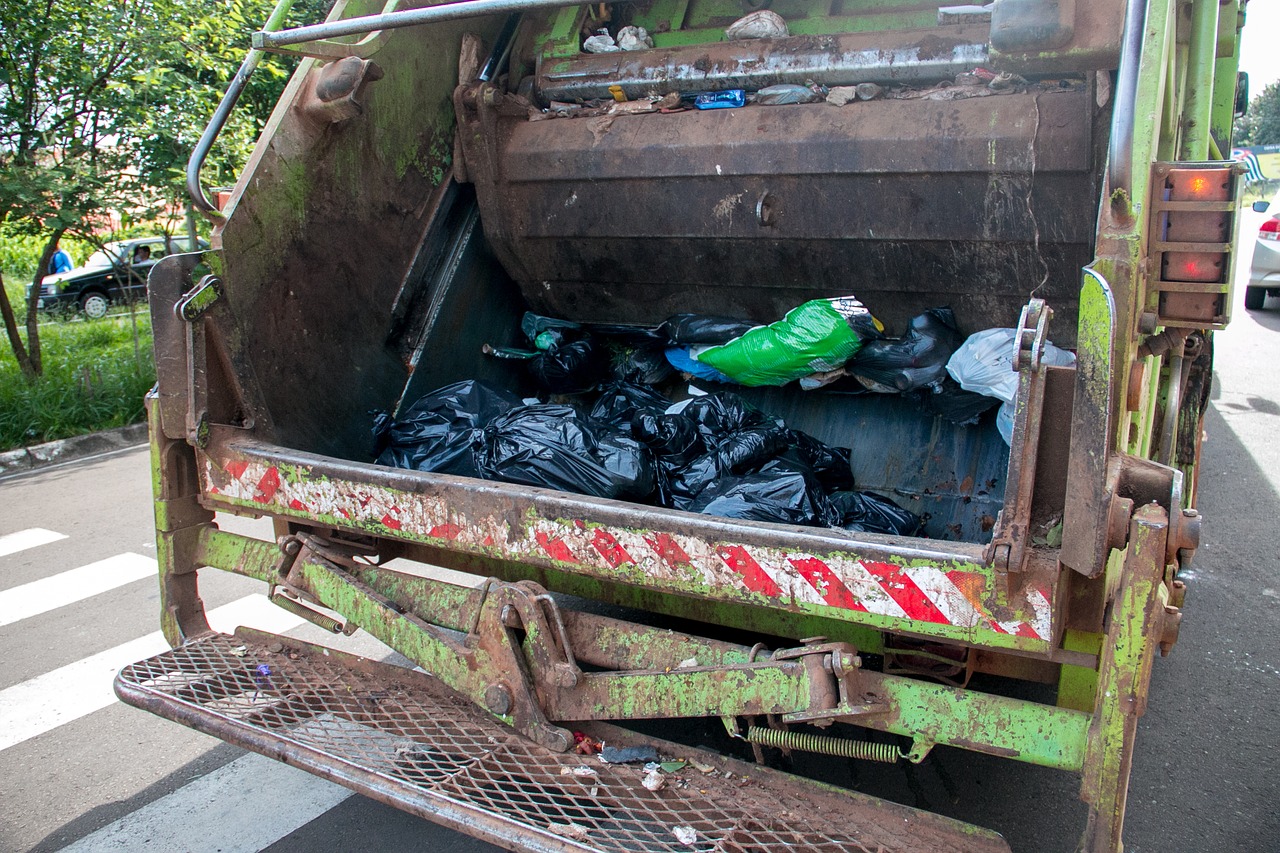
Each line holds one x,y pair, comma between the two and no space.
402,738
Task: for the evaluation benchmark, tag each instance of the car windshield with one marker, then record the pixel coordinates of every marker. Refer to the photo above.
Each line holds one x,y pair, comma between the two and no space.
108,255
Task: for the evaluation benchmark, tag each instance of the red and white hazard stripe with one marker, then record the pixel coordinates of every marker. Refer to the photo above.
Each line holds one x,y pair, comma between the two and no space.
919,593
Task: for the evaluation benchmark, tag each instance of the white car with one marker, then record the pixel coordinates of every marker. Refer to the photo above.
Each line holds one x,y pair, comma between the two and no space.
1264,274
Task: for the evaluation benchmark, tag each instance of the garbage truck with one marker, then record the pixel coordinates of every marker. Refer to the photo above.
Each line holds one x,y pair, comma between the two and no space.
586,668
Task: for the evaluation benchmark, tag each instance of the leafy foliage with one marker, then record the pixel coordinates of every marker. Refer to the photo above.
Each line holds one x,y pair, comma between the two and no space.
1261,124
92,380
101,102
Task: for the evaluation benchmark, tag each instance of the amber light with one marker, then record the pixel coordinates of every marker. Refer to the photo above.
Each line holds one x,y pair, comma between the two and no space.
1199,184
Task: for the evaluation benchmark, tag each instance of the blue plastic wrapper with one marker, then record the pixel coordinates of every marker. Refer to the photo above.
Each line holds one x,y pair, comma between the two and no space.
728,99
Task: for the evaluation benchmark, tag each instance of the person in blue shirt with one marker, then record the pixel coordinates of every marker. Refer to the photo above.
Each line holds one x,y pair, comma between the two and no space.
61,261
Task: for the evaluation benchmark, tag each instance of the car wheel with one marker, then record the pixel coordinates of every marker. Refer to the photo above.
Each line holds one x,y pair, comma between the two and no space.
95,305
1254,297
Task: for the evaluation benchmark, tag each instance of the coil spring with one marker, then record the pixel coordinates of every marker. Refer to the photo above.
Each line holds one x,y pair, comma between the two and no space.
806,742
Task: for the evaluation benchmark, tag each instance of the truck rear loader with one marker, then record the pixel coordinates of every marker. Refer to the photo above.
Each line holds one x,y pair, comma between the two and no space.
433,172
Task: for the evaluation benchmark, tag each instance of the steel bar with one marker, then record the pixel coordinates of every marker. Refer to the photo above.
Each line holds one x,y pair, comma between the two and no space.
1201,57
1120,154
269,38
220,115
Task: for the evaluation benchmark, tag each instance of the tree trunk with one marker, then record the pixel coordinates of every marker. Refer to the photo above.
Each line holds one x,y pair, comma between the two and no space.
33,294
11,328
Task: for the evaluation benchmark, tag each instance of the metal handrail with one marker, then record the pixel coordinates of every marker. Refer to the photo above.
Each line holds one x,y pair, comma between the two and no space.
198,155
1120,150
268,39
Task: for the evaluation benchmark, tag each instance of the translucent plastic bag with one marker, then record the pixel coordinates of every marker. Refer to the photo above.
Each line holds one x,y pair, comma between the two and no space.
984,363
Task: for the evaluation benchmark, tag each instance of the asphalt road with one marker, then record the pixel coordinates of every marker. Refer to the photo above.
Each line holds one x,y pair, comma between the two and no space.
102,776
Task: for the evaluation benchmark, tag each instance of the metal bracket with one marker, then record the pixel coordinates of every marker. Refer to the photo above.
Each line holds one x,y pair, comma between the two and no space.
1008,549
834,688
199,299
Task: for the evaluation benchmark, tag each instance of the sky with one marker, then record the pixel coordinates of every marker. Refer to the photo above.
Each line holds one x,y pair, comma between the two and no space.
1258,53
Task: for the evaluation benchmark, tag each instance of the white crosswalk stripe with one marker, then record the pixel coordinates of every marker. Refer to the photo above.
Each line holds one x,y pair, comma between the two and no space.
55,698
12,543
32,599
245,805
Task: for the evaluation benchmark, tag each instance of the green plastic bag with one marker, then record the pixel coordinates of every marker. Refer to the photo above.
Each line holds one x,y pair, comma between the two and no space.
815,337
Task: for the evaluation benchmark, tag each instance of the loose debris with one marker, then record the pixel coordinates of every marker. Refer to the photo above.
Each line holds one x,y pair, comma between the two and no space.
763,24
628,754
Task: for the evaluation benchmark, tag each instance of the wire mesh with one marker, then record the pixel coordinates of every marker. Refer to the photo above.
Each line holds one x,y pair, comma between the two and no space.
424,739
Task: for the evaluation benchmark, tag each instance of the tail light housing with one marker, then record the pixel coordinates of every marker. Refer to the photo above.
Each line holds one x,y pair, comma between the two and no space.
1192,212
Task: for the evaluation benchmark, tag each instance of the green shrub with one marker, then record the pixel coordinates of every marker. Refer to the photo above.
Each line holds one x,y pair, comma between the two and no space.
92,380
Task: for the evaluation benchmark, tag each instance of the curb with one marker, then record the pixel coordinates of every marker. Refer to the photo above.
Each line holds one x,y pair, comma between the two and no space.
68,449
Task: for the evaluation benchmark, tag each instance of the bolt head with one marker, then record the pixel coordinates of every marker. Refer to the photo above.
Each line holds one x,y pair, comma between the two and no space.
497,698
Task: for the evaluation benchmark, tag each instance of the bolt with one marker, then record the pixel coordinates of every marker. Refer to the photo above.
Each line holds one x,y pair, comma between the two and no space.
291,546
563,675
556,739
497,698
491,97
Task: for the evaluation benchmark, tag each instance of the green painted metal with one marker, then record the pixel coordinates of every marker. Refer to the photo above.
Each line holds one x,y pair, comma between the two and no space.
374,599
1230,21
1199,81
1078,685
1125,672
679,23
773,687
1011,728
238,554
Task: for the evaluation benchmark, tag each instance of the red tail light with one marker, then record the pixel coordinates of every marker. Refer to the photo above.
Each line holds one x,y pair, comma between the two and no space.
1270,230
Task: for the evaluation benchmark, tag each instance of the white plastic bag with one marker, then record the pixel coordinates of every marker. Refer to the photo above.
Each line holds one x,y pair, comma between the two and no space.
758,25
601,42
634,38
984,363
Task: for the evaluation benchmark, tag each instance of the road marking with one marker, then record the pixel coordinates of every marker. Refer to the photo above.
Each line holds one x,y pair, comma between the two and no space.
12,543
68,693
246,805
32,599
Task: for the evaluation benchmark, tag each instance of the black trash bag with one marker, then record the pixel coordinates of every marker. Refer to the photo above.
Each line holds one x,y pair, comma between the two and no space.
685,329
748,449
548,333
570,368
644,364
673,439
956,404
832,466
916,360
553,447
780,492
867,512
724,413
439,431
738,454
620,402
680,485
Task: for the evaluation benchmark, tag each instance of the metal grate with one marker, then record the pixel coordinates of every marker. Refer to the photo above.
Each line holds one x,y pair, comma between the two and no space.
404,738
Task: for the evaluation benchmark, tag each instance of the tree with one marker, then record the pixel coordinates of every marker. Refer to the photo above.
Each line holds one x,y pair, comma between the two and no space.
101,102
1261,124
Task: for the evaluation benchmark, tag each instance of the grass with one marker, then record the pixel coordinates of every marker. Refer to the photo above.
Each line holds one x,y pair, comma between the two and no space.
92,380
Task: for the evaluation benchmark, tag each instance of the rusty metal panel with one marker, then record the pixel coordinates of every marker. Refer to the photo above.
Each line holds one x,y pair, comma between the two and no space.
908,204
